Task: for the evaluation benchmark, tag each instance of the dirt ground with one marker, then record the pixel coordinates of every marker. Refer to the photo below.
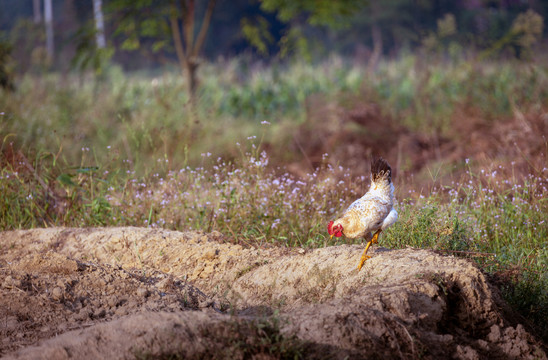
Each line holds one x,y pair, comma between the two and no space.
124,293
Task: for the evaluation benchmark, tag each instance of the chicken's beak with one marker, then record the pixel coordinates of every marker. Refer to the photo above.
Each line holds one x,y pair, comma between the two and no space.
331,237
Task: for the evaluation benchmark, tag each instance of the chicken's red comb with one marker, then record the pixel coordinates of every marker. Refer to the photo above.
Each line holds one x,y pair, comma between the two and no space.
330,227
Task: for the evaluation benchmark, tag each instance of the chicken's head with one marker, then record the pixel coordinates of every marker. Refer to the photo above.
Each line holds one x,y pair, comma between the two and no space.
336,230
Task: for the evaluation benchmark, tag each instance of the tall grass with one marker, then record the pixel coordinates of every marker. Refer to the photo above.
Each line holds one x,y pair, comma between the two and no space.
146,118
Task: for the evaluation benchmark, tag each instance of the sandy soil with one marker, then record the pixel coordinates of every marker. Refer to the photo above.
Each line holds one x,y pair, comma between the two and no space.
123,293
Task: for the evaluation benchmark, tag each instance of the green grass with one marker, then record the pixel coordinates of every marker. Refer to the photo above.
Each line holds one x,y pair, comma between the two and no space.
499,223
128,152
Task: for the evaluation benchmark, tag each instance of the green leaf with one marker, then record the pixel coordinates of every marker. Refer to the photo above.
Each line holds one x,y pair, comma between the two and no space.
131,43
66,179
257,33
159,45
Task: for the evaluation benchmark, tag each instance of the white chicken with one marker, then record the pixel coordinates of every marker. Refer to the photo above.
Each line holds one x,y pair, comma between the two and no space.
372,213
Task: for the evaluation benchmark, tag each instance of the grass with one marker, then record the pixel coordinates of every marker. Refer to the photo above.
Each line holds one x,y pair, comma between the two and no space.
143,119
127,152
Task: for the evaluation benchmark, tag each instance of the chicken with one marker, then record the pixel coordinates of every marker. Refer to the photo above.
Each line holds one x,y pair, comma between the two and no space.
373,212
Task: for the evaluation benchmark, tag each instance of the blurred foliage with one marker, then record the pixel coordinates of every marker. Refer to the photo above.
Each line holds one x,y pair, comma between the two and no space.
520,39
306,29
330,14
143,22
169,25
527,29
144,116
88,56
6,71
30,51
444,39
324,12
294,42
257,33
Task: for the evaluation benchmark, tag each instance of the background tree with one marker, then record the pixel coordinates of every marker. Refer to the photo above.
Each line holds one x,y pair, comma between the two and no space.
331,14
526,31
37,10
363,29
48,17
173,25
99,24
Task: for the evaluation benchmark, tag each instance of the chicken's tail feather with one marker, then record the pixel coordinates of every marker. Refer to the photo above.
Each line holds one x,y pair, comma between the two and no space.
380,169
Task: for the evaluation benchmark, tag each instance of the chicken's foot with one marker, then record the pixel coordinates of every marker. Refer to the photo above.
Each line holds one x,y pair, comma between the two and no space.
374,240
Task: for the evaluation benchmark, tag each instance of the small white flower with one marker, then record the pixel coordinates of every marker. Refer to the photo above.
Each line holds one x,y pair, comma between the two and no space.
275,223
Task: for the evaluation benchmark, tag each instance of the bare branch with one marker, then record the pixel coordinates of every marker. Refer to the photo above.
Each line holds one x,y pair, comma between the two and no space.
177,38
203,29
188,23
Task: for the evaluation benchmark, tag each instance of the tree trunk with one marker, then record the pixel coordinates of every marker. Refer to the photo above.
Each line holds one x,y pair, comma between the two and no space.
377,47
37,11
48,16
191,70
189,49
99,24
191,67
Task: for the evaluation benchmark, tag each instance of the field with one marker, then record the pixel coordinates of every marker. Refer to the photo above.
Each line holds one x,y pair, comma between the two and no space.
268,155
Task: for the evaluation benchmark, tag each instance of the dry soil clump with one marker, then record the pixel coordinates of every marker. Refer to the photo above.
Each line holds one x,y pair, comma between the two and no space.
124,293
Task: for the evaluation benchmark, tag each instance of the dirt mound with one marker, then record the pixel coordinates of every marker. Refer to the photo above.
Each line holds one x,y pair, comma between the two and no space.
132,292
46,294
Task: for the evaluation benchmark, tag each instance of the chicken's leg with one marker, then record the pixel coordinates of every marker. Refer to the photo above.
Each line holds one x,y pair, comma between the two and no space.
374,240
376,237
